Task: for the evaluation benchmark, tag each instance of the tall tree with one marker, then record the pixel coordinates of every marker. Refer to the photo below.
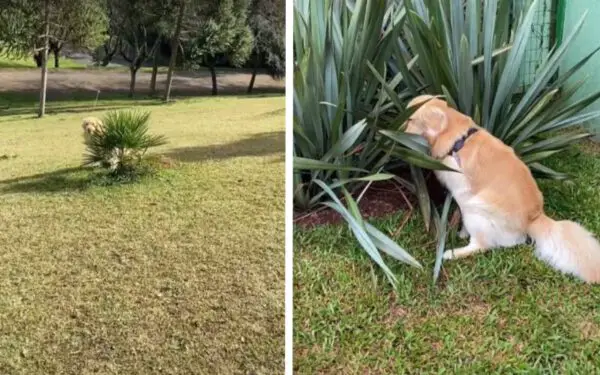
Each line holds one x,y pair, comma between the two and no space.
19,19
222,31
46,38
267,22
29,26
175,43
80,23
136,23
164,31
112,41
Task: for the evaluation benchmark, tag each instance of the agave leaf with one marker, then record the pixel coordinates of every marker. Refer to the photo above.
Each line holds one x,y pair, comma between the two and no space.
473,25
457,22
554,143
422,195
537,156
359,232
370,178
385,244
348,139
508,77
541,171
497,52
448,97
388,89
568,122
421,160
411,141
545,74
574,69
536,110
465,84
442,234
301,163
489,20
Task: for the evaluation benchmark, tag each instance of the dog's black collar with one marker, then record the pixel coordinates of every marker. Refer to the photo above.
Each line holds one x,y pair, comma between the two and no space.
460,142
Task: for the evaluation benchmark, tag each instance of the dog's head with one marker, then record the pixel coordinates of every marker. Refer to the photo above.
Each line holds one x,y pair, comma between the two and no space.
91,125
430,119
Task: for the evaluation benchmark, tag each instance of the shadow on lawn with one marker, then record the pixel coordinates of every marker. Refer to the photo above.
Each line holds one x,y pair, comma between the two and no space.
80,178
61,180
261,144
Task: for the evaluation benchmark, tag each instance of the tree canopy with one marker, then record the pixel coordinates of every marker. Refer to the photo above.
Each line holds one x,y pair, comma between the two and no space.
221,30
78,23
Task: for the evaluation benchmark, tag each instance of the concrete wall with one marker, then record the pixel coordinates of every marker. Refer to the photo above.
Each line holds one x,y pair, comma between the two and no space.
587,39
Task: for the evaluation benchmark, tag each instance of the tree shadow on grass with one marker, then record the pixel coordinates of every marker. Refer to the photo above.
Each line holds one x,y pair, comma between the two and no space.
61,180
262,144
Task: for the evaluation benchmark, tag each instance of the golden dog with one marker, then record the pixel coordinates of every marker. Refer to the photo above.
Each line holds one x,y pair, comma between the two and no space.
500,202
93,125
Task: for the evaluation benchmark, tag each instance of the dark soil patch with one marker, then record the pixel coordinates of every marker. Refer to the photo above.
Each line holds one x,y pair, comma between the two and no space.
382,199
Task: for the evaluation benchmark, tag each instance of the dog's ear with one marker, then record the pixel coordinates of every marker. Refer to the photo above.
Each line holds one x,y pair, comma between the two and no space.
430,121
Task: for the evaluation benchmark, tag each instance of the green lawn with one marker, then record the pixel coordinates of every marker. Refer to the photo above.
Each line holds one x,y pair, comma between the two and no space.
17,106
179,274
27,62
498,312
12,62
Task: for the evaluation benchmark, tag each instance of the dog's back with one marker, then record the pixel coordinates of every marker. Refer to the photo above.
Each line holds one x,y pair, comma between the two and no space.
498,196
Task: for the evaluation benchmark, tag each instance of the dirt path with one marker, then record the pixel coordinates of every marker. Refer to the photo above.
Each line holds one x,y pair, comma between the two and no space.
66,82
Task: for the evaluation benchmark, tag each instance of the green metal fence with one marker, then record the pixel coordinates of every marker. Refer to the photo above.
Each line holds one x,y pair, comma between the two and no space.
546,32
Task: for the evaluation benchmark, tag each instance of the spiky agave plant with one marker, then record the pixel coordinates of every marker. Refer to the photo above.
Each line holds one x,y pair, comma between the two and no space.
472,52
122,142
347,115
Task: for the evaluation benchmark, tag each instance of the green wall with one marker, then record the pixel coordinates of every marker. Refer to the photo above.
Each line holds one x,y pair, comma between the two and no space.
586,41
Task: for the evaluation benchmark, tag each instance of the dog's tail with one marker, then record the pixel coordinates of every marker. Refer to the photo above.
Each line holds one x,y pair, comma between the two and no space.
566,246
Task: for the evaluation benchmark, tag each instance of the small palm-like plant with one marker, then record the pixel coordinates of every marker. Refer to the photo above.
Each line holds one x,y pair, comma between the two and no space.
123,141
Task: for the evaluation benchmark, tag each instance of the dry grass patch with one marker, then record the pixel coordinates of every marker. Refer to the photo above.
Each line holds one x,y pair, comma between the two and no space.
178,274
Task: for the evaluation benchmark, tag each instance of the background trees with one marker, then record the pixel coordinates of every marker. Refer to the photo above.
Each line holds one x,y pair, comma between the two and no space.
220,30
187,33
79,24
267,21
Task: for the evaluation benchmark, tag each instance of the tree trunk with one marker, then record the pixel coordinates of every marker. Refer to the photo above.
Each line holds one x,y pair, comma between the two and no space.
154,73
254,71
213,74
56,57
38,58
108,55
174,49
133,72
44,85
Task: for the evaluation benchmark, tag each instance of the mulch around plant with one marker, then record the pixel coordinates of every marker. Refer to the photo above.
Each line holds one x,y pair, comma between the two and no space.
382,199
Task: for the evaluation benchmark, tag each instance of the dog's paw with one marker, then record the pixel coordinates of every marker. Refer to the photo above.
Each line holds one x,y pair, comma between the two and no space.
463,234
448,254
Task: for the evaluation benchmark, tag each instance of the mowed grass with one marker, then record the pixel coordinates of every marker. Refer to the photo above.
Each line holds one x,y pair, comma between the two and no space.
502,312
27,62
18,106
178,274
24,62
